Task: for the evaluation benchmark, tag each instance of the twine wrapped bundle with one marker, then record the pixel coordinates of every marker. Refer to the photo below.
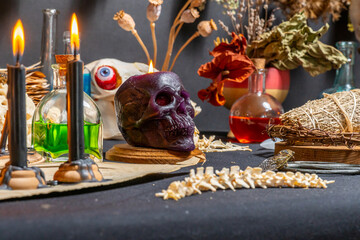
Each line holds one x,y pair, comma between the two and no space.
334,120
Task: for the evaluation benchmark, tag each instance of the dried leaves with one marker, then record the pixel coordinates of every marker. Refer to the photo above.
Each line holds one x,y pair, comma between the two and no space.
293,43
313,9
229,64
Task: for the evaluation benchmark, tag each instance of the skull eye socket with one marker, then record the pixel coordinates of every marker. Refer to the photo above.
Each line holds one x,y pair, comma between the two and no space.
163,99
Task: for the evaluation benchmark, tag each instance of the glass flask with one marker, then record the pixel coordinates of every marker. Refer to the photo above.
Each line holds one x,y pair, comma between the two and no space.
252,113
344,79
49,126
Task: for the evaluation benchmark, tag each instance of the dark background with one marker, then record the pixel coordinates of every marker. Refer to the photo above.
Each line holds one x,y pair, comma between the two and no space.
101,37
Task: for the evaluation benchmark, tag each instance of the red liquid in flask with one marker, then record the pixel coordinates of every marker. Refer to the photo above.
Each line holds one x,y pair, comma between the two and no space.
250,129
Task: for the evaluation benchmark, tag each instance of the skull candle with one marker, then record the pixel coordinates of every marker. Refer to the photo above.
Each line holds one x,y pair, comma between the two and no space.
154,110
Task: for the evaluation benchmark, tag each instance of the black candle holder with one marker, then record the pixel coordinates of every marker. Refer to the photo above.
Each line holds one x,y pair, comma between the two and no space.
79,167
21,178
17,174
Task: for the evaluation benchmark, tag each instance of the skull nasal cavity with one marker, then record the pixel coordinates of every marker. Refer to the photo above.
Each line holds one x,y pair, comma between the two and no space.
182,108
163,99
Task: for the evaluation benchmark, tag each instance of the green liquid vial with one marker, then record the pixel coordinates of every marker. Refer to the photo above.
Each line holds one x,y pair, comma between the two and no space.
51,138
49,125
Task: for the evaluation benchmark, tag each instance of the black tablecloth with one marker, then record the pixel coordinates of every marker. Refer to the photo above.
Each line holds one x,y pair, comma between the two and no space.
131,211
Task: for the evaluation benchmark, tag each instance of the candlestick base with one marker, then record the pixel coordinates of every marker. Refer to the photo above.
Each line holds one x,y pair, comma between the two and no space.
83,170
21,178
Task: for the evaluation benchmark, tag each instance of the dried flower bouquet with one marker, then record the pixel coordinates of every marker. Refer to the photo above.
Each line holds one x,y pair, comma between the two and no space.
187,14
286,46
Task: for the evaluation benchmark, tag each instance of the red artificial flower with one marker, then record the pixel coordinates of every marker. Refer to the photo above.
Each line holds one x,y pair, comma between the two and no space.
213,93
229,64
237,45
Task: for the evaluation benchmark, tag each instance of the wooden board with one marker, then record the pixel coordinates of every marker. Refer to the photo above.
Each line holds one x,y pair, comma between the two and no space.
338,154
131,154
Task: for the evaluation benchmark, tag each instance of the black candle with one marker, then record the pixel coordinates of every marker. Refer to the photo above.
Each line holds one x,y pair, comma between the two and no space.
17,115
75,111
17,102
75,98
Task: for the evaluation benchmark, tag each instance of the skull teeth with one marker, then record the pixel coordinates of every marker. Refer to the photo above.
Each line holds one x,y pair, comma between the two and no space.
175,132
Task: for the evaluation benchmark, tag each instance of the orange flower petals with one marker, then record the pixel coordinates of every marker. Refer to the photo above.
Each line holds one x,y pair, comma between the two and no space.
229,57
213,94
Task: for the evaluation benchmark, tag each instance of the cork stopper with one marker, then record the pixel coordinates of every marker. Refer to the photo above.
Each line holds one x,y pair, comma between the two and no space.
62,59
259,63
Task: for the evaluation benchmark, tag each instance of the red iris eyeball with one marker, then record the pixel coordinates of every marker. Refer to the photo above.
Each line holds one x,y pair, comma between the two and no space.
105,77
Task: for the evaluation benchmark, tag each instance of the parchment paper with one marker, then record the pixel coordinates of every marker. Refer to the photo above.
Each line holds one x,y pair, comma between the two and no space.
115,172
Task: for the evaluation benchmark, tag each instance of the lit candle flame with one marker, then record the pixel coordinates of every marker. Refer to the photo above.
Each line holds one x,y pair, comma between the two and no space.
74,37
18,40
151,68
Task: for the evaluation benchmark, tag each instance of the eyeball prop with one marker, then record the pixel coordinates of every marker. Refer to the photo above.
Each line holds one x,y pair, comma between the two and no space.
106,78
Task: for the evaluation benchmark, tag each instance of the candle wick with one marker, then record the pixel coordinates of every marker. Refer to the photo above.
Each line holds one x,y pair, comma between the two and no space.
18,53
17,58
74,51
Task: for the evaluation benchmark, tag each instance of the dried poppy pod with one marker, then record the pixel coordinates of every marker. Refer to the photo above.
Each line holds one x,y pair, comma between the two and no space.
189,15
205,28
124,20
197,3
127,23
153,10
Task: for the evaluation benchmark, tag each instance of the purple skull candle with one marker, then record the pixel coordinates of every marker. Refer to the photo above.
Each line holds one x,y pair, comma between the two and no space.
154,110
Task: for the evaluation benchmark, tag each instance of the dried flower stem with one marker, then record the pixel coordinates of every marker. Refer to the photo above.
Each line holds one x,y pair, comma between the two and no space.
170,46
266,14
195,35
177,31
134,32
171,36
153,35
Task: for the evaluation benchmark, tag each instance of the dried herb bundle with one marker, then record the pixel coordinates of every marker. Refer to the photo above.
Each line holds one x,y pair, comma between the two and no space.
247,15
334,119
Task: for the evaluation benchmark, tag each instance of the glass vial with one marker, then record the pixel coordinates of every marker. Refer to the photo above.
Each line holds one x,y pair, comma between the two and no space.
344,79
252,113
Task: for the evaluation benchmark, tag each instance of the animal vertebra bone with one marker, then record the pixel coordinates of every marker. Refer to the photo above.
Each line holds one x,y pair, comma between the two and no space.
236,178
